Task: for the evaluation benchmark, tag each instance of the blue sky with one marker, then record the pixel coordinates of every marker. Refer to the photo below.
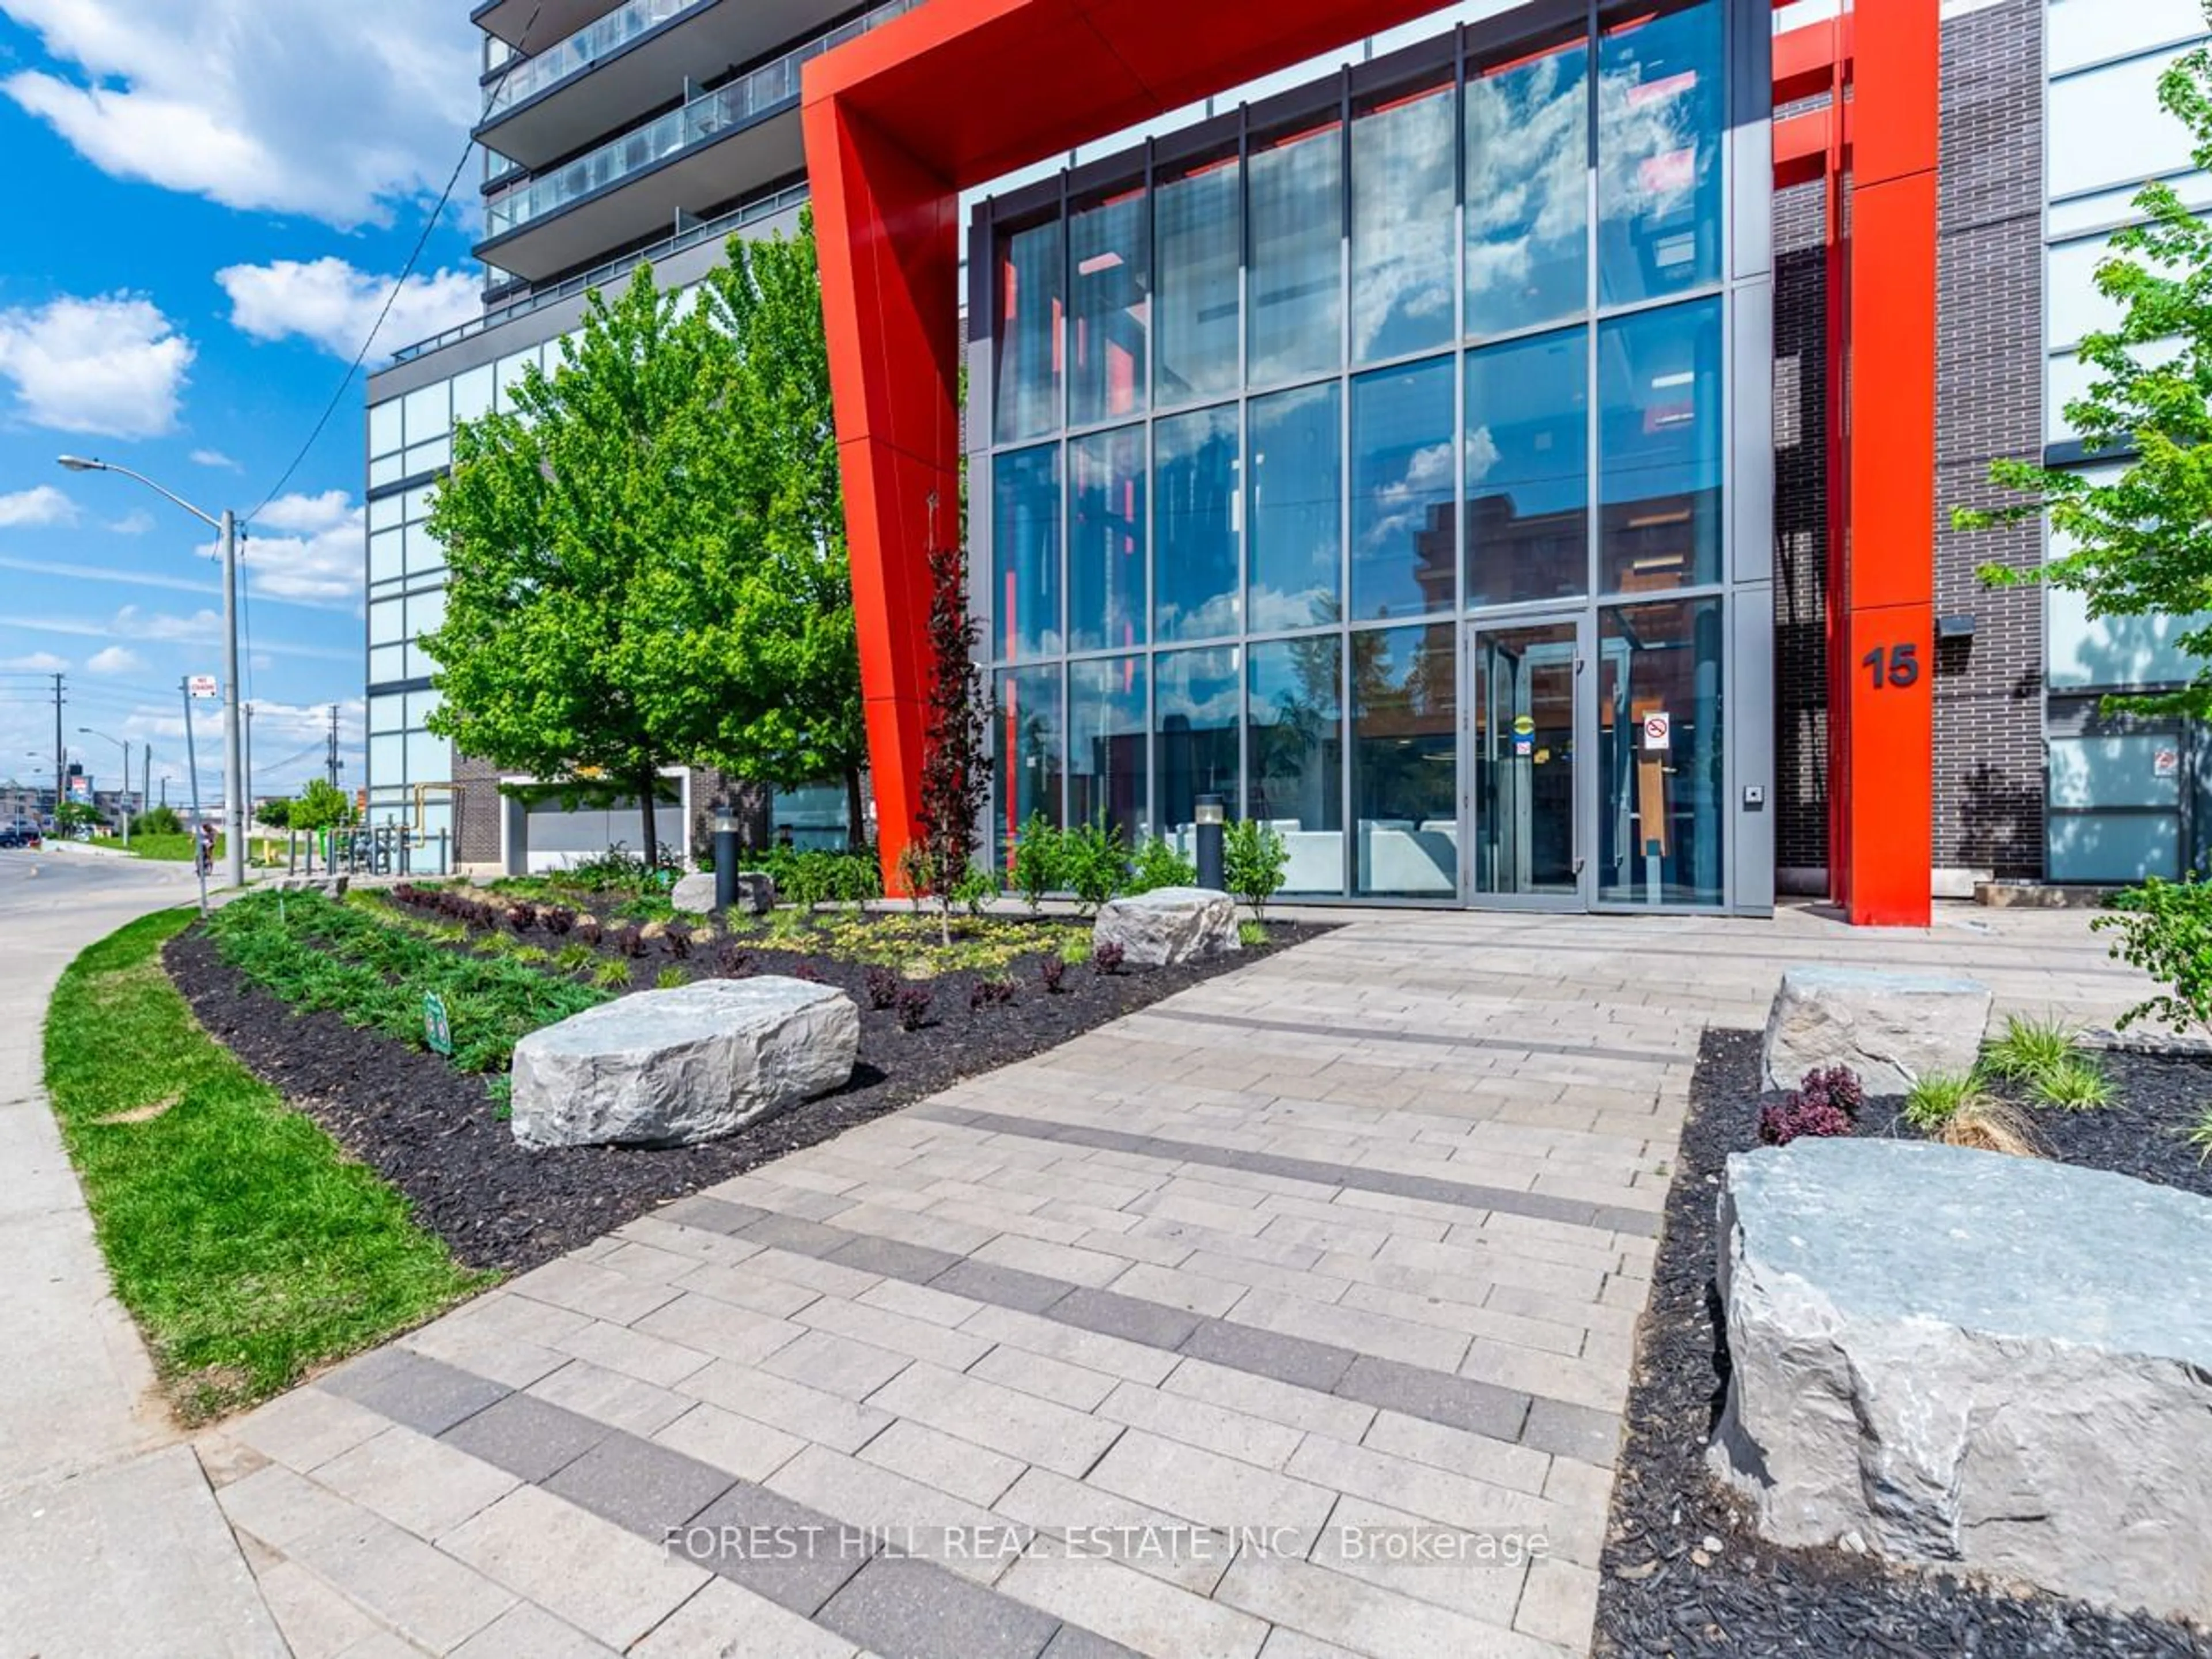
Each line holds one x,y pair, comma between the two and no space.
210,199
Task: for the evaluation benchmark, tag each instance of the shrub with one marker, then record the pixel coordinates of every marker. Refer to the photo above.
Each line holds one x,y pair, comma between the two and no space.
2031,1048
883,988
977,888
158,821
557,920
1107,959
1157,864
675,939
989,994
1037,857
1254,859
588,929
629,941
1252,935
807,971
2164,928
914,1007
734,962
520,917
1094,863
817,875
1826,1102
1053,970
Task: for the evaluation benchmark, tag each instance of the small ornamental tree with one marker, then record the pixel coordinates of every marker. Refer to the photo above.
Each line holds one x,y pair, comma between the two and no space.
955,761
275,814
2140,540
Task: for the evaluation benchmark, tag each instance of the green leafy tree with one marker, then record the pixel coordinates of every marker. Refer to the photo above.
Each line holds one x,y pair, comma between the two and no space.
648,566
276,814
320,805
77,815
2142,542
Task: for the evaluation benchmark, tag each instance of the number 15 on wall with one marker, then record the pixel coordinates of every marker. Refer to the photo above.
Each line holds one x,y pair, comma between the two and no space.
1894,667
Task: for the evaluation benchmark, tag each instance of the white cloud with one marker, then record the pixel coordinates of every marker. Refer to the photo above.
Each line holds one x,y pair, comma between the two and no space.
201,628
136,522
321,562
39,662
329,303
335,111
112,365
115,659
42,504
214,458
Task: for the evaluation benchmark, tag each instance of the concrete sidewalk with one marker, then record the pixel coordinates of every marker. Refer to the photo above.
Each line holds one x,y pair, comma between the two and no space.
1179,1338
112,1542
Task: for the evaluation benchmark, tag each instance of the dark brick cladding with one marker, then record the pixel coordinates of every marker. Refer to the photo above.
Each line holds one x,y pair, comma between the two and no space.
1988,691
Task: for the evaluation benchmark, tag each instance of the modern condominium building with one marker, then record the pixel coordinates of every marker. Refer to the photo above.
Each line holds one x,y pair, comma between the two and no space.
1427,430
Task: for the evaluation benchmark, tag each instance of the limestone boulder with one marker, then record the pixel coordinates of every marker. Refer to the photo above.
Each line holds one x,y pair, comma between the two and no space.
1169,924
1956,1358
667,1068
695,894
1893,1029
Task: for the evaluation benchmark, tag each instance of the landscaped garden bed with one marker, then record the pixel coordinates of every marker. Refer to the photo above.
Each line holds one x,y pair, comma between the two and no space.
323,1000
1683,1572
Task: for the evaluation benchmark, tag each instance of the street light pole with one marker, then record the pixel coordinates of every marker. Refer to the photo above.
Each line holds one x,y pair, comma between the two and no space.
86,731
234,807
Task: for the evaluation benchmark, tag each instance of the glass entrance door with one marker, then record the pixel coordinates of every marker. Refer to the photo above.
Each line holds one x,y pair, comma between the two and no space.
1525,747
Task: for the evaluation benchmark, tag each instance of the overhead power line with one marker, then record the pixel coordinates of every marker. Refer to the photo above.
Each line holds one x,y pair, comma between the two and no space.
399,283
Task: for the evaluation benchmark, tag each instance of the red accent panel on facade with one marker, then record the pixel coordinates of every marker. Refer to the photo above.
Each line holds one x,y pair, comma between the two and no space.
1882,730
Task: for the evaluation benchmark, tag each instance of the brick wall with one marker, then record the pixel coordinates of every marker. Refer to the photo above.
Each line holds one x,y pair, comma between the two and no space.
476,810
1989,691
1989,366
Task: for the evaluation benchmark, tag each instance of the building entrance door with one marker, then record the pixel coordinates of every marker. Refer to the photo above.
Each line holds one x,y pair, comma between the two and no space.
1527,743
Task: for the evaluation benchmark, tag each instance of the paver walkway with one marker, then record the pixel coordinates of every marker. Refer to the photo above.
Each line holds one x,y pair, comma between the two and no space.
1290,1316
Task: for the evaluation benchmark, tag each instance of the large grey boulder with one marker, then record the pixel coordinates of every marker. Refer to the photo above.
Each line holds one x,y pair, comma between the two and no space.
695,894
666,1068
1169,924
1892,1029
1957,1357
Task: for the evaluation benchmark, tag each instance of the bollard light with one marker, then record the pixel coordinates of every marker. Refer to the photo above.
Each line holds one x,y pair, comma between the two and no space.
725,856
1208,813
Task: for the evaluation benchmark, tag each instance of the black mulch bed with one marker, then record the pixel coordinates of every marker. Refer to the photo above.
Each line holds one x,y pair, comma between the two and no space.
1682,1573
439,1137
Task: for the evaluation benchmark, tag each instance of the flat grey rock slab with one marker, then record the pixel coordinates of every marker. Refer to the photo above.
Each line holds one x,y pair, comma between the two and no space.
1169,924
1955,1356
667,1068
1893,1029
694,895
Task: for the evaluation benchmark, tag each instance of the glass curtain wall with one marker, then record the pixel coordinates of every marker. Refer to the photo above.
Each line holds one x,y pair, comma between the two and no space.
1288,403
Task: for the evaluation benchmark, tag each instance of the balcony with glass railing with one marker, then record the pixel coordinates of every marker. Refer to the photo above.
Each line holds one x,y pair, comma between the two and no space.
583,49
750,97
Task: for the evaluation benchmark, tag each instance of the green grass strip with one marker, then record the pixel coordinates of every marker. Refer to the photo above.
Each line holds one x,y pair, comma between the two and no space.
317,954
247,1245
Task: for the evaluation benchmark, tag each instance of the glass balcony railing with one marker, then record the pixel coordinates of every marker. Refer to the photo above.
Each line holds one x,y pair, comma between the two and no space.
584,48
707,117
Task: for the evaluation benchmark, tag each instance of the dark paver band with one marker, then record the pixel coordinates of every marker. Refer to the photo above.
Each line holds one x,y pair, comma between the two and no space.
844,1577
1428,1039
1557,1426
1433,1190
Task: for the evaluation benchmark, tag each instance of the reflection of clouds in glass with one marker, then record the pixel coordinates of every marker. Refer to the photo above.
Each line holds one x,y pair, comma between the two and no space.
1404,180
1402,505
1204,687
1218,616
1482,454
1528,145
1275,611
1650,162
